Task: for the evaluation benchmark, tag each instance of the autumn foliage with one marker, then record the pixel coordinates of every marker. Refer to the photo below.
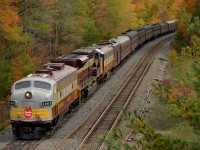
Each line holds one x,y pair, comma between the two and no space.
9,20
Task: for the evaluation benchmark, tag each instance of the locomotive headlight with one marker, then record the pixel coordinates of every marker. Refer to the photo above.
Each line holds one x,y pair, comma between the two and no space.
46,103
28,95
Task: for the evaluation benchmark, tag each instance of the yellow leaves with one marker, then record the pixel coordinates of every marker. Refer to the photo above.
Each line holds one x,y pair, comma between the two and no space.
114,16
157,10
172,56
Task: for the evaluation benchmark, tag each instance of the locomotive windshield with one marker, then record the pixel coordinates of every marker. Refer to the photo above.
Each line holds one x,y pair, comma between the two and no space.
42,85
21,85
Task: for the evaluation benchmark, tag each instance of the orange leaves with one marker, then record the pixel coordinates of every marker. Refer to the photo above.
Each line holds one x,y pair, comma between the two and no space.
9,20
182,28
189,5
178,91
8,15
100,9
174,90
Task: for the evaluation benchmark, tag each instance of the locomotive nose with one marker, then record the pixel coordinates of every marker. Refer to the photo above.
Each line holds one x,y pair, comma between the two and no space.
30,105
31,97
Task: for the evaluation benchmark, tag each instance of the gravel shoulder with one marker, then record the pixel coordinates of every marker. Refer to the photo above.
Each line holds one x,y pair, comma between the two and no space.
111,86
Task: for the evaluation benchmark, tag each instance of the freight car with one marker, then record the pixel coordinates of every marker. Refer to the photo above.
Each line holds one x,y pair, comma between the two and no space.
40,99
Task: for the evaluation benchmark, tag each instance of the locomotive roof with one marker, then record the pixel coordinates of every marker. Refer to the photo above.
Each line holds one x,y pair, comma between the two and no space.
121,39
163,23
155,24
59,74
171,21
130,33
70,56
114,42
105,43
138,29
147,27
110,42
104,49
73,57
56,75
84,49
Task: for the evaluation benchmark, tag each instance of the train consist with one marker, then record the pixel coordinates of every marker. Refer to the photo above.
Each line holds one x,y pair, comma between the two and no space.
39,100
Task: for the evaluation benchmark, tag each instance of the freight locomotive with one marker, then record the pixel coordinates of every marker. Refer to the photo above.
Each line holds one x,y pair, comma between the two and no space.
39,100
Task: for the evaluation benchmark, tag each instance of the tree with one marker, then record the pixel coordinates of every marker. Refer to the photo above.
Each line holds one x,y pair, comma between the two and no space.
36,21
10,36
189,25
157,10
73,25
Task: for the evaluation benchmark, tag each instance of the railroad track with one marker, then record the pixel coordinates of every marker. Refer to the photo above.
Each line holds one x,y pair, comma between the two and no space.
106,119
23,144
19,144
